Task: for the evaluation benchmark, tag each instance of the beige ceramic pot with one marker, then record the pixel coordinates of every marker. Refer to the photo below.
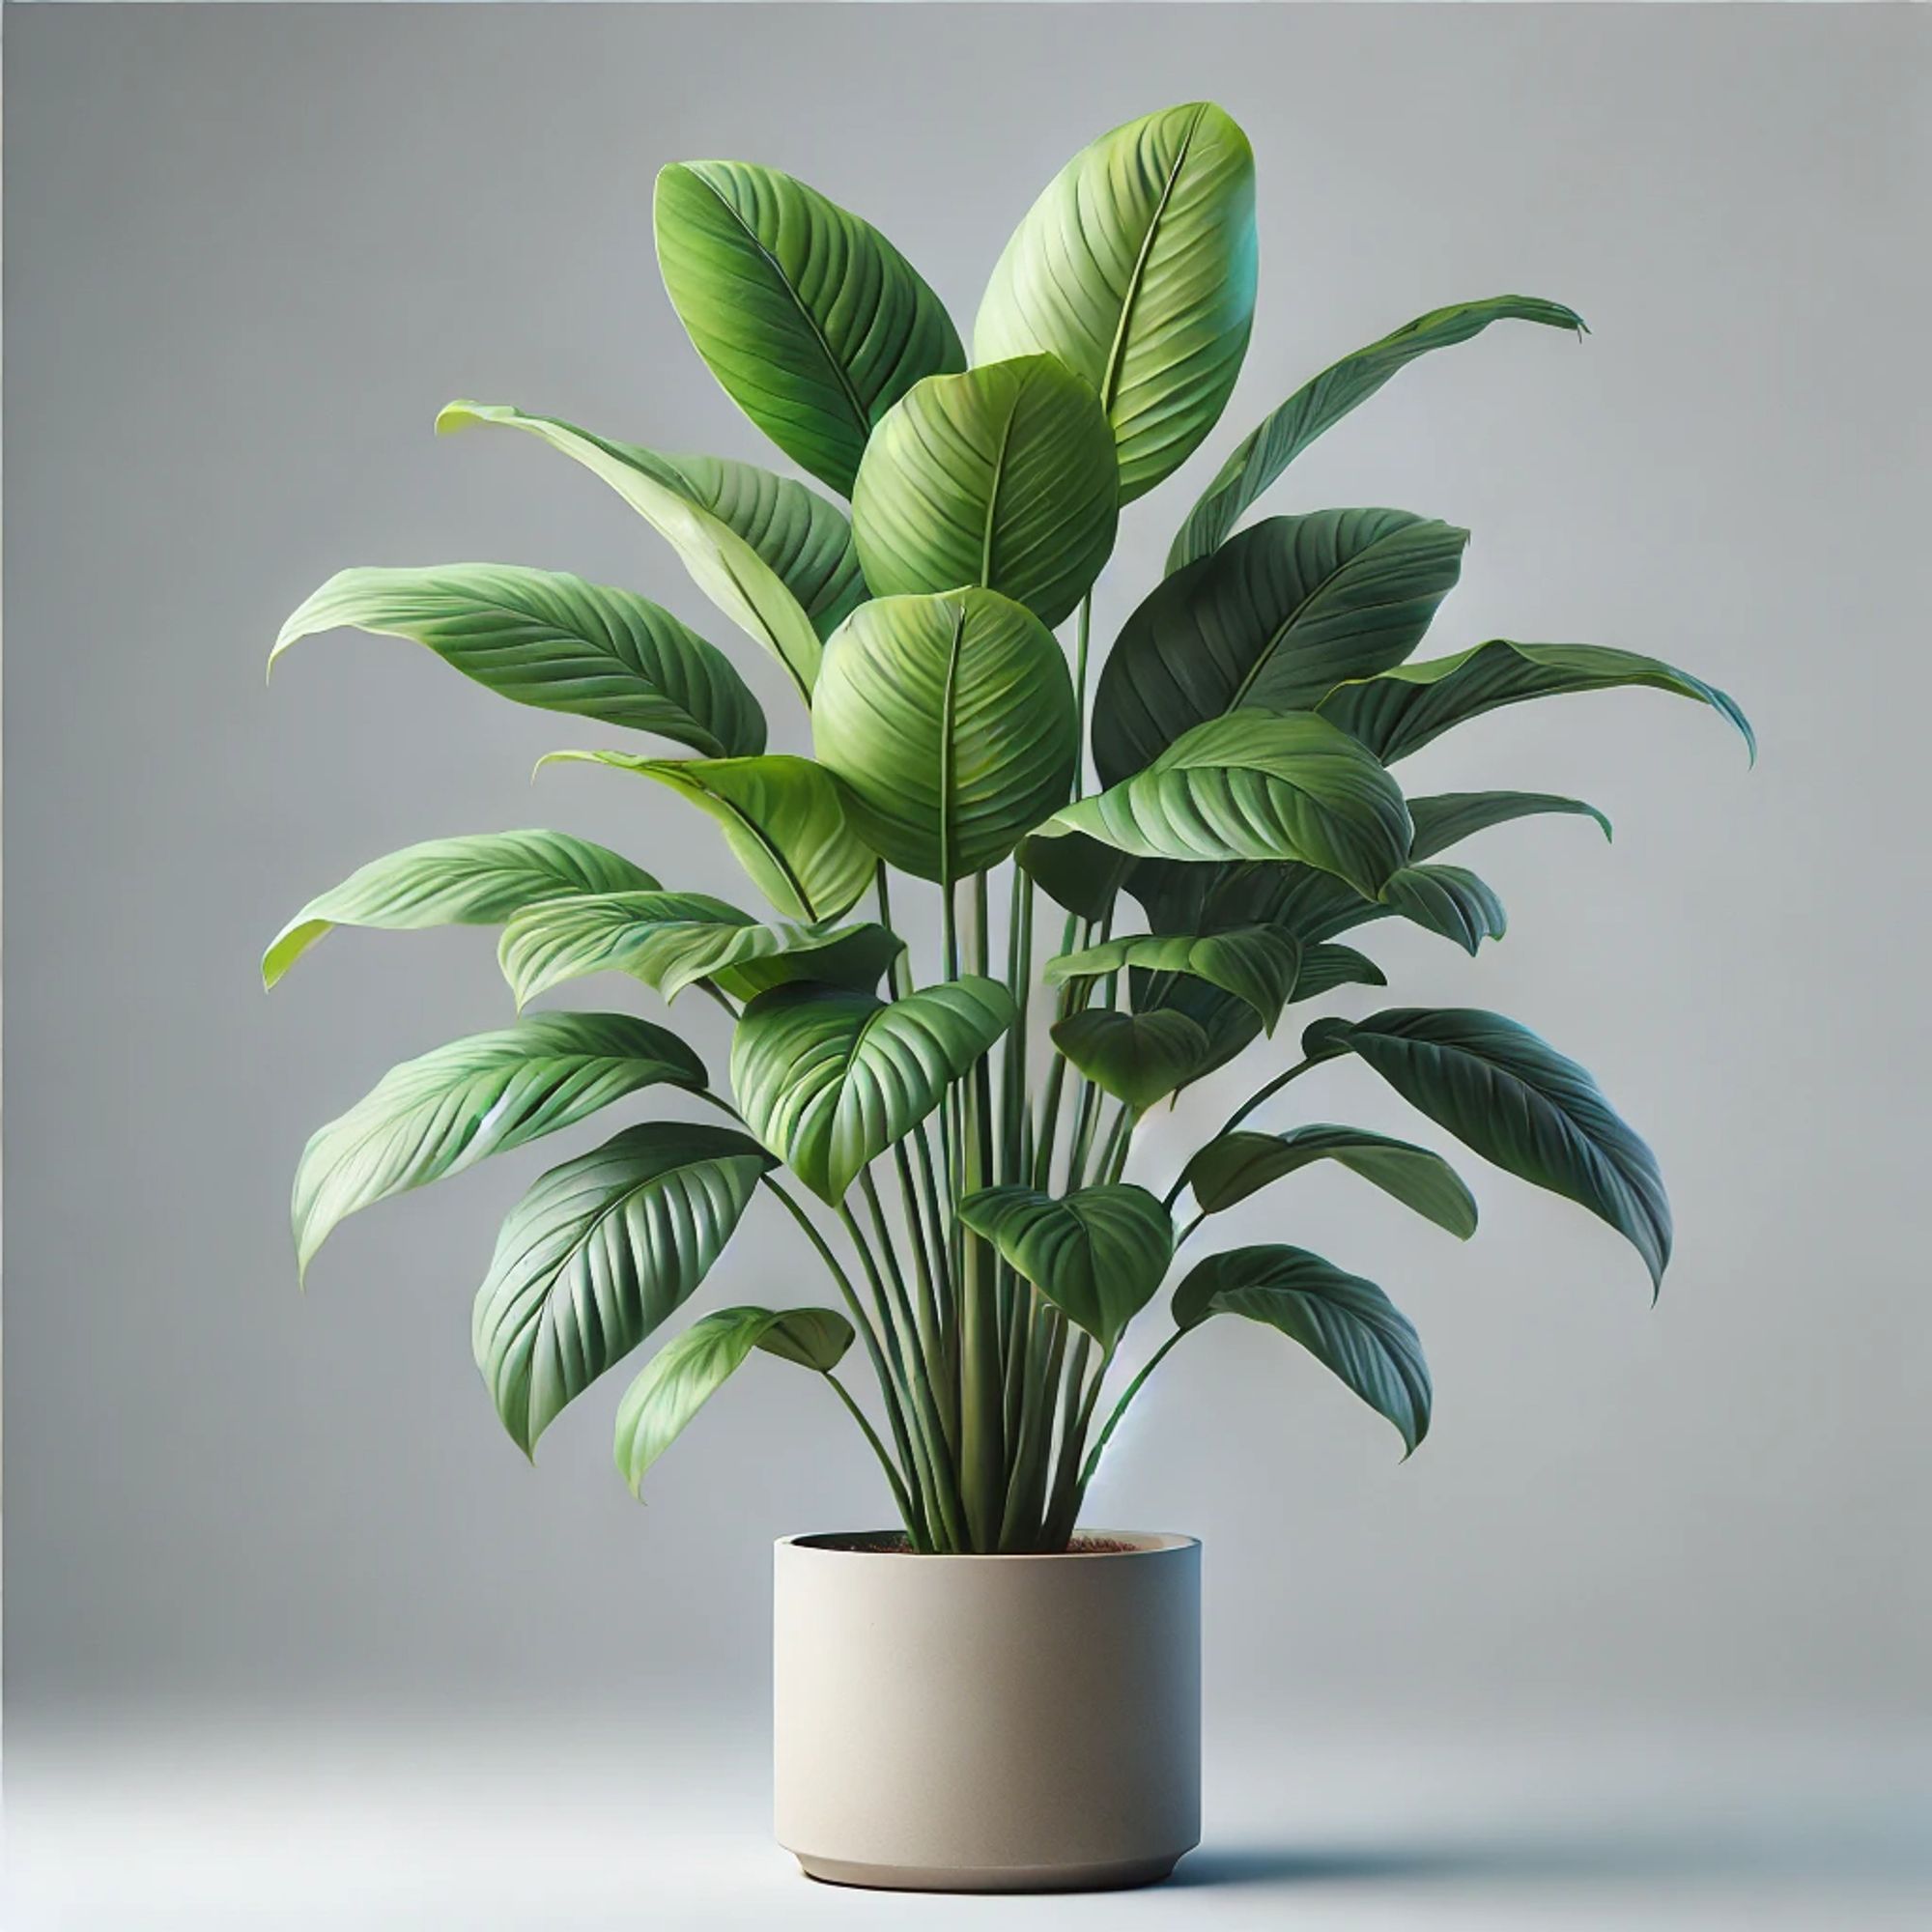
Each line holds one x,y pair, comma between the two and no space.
987,1724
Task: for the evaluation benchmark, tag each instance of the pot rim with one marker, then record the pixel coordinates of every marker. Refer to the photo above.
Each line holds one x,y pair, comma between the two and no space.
853,1543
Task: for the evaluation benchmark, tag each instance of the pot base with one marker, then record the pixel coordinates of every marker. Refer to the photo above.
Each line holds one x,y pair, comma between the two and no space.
1118,1875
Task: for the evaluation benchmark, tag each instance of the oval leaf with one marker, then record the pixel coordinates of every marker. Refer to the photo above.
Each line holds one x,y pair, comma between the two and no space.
1516,1100
950,722
597,1254
1347,1324
722,562
1139,1058
479,880
683,1376
1258,964
1237,1165
1449,900
1257,786
1136,267
1450,817
547,639
813,322
1401,710
782,816
1274,622
481,1095
1098,1255
1003,477
1261,457
830,1079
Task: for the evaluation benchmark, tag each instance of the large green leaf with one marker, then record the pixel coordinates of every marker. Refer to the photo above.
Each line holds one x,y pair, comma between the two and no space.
1004,476
1262,456
543,638
1075,871
1401,710
813,322
782,816
1347,1324
597,1254
672,940
478,880
1237,1165
1256,785
683,1376
950,722
724,564
1516,1100
1098,1255
1273,621
829,1079
1139,1058
1446,818
1258,964
1449,900
1136,267
481,1095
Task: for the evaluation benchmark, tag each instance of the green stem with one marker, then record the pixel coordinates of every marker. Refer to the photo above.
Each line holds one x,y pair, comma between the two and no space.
907,1515
1127,1395
1255,1100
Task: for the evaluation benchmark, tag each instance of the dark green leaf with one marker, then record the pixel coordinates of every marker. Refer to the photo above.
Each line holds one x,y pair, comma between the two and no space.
1075,872
1230,1169
1450,817
1258,964
1449,900
1139,1058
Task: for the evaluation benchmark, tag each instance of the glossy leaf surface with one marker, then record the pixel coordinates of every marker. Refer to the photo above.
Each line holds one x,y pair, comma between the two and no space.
1139,1058
1449,901
1446,818
1258,964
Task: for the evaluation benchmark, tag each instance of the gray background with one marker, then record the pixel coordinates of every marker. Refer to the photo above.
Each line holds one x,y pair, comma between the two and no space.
251,250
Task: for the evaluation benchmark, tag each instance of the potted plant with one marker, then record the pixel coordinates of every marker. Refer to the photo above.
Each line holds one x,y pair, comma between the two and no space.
984,1697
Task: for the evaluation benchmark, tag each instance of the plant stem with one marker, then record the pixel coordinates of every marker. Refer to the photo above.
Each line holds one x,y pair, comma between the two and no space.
1255,1100
1127,1395
907,1515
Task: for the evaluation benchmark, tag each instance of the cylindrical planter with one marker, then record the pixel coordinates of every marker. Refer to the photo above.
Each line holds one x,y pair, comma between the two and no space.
987,1724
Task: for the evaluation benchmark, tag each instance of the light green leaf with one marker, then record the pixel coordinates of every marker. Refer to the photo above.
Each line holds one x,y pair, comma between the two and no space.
830,1079
1237,1165
1258,964
549,639
747,960
1255,785
1097,1255
1136,267
478,880
1262,456
813,322
1449,900
1401,710
548,945
1516,1100
481,1095
1139,1058
1347,1324
782,816
950,722
723,563
1450,817
683,1376
1003,477
597,1254
1275,621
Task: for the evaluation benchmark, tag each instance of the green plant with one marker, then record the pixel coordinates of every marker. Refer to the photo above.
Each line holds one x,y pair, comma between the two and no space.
977,1224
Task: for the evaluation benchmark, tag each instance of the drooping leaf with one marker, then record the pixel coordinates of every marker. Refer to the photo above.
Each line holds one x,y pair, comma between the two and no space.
1136,267
1003,477
445,1111
549,639
1139,1058
830,1079
782,816
1262,456
1237,1165
546,946
1347,1324
747,960
478,880
1310,903
1258,964
950,722
691,1368
1449,900
597,1254
1255,785
1516,1100
1230,1025
1447,817
1401,710
1324,967
811,321
1097,1255
724,563
1272,622
1075,871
